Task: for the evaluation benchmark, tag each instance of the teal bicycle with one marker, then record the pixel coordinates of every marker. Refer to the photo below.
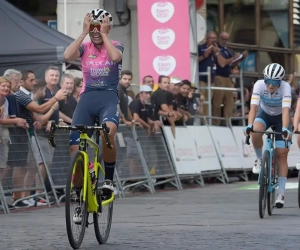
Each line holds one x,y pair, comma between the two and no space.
267,179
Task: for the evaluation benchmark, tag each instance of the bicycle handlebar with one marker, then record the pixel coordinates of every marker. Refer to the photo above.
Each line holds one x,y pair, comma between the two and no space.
284,133
81,129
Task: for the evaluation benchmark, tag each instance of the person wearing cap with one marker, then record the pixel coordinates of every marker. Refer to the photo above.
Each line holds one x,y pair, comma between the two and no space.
147,80
175,85
138,108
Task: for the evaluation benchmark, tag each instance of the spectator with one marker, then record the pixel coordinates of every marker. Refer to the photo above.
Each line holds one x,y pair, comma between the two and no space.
67,107
5,88
147,80
52,79
194,105
223,59
162,104
235,71
17,155
182,99
125,81
174,87
206,59
78,84
292,112
27,107
139,110
38,93
39,89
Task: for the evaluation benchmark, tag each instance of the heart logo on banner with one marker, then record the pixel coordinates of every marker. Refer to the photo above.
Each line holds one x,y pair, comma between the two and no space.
162,11
163,38
164,65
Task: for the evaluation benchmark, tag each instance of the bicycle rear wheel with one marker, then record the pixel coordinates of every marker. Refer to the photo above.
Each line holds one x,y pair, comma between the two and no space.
103,219
74,196
263,184
271,196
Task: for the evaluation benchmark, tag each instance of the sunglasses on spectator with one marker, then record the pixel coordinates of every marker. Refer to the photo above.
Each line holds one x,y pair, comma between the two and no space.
273,82
95,27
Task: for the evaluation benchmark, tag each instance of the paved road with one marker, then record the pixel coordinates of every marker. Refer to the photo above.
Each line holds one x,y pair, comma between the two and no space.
215,217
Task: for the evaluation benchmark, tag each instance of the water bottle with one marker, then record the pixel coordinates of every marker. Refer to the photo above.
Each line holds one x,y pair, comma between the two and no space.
92,172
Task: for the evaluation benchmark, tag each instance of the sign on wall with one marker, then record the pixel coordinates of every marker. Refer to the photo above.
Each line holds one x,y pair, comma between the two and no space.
163,33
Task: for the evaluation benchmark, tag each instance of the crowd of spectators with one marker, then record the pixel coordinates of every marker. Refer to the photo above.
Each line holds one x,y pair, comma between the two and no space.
225,73
31,104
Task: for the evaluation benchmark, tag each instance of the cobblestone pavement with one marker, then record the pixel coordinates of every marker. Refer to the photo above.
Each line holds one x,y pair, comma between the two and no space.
214,217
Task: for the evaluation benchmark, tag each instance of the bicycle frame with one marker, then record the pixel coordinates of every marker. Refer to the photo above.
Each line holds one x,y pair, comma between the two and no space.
88,187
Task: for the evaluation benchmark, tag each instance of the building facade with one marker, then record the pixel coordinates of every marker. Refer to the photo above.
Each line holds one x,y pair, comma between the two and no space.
269,29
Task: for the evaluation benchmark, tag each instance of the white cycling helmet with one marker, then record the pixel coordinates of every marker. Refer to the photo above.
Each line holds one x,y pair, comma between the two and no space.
274,71
99,14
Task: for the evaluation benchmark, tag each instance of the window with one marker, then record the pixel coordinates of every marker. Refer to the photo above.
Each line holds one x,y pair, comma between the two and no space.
274,57
212,15
274,20
239,21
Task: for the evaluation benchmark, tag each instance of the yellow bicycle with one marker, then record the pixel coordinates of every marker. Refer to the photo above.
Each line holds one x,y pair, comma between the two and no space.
83,188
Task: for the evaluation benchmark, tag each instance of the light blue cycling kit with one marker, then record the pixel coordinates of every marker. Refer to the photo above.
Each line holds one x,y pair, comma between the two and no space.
271,105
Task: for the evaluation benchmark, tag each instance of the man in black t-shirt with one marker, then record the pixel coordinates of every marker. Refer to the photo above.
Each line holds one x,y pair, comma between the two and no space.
182,100
139,109
162,101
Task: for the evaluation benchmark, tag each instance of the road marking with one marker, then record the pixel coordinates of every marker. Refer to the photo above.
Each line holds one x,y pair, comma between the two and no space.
289,185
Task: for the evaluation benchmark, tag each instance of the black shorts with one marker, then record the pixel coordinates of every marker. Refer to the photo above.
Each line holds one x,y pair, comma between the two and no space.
100,104
18,148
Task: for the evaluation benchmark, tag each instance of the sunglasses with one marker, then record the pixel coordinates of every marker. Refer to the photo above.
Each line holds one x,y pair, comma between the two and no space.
95,27
273,82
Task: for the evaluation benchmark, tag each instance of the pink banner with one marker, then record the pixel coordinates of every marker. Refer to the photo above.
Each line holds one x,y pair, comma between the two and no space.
163,32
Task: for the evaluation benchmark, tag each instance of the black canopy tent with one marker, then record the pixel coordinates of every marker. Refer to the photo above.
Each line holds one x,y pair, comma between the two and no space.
27,43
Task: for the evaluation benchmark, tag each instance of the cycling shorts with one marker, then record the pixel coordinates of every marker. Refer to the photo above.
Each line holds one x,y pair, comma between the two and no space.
101,104
271,121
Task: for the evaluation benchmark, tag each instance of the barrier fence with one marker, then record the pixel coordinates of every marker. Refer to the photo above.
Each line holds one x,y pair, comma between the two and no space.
23,171
197,152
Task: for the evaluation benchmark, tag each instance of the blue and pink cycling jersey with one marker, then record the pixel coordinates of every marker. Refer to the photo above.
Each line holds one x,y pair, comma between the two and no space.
99,71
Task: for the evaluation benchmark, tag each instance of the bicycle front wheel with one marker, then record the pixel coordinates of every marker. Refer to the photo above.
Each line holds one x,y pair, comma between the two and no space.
271,196
76,208
263,184
103,219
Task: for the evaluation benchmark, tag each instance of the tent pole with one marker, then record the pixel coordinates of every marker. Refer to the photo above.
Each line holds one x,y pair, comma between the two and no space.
65,16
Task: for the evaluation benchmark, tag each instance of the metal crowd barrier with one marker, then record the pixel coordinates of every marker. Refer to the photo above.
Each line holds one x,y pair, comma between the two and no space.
209,89
157,158
3,204
57,161
131,167
20,158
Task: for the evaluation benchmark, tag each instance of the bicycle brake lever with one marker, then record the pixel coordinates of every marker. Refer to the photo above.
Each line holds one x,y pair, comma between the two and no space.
286,142
51,135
